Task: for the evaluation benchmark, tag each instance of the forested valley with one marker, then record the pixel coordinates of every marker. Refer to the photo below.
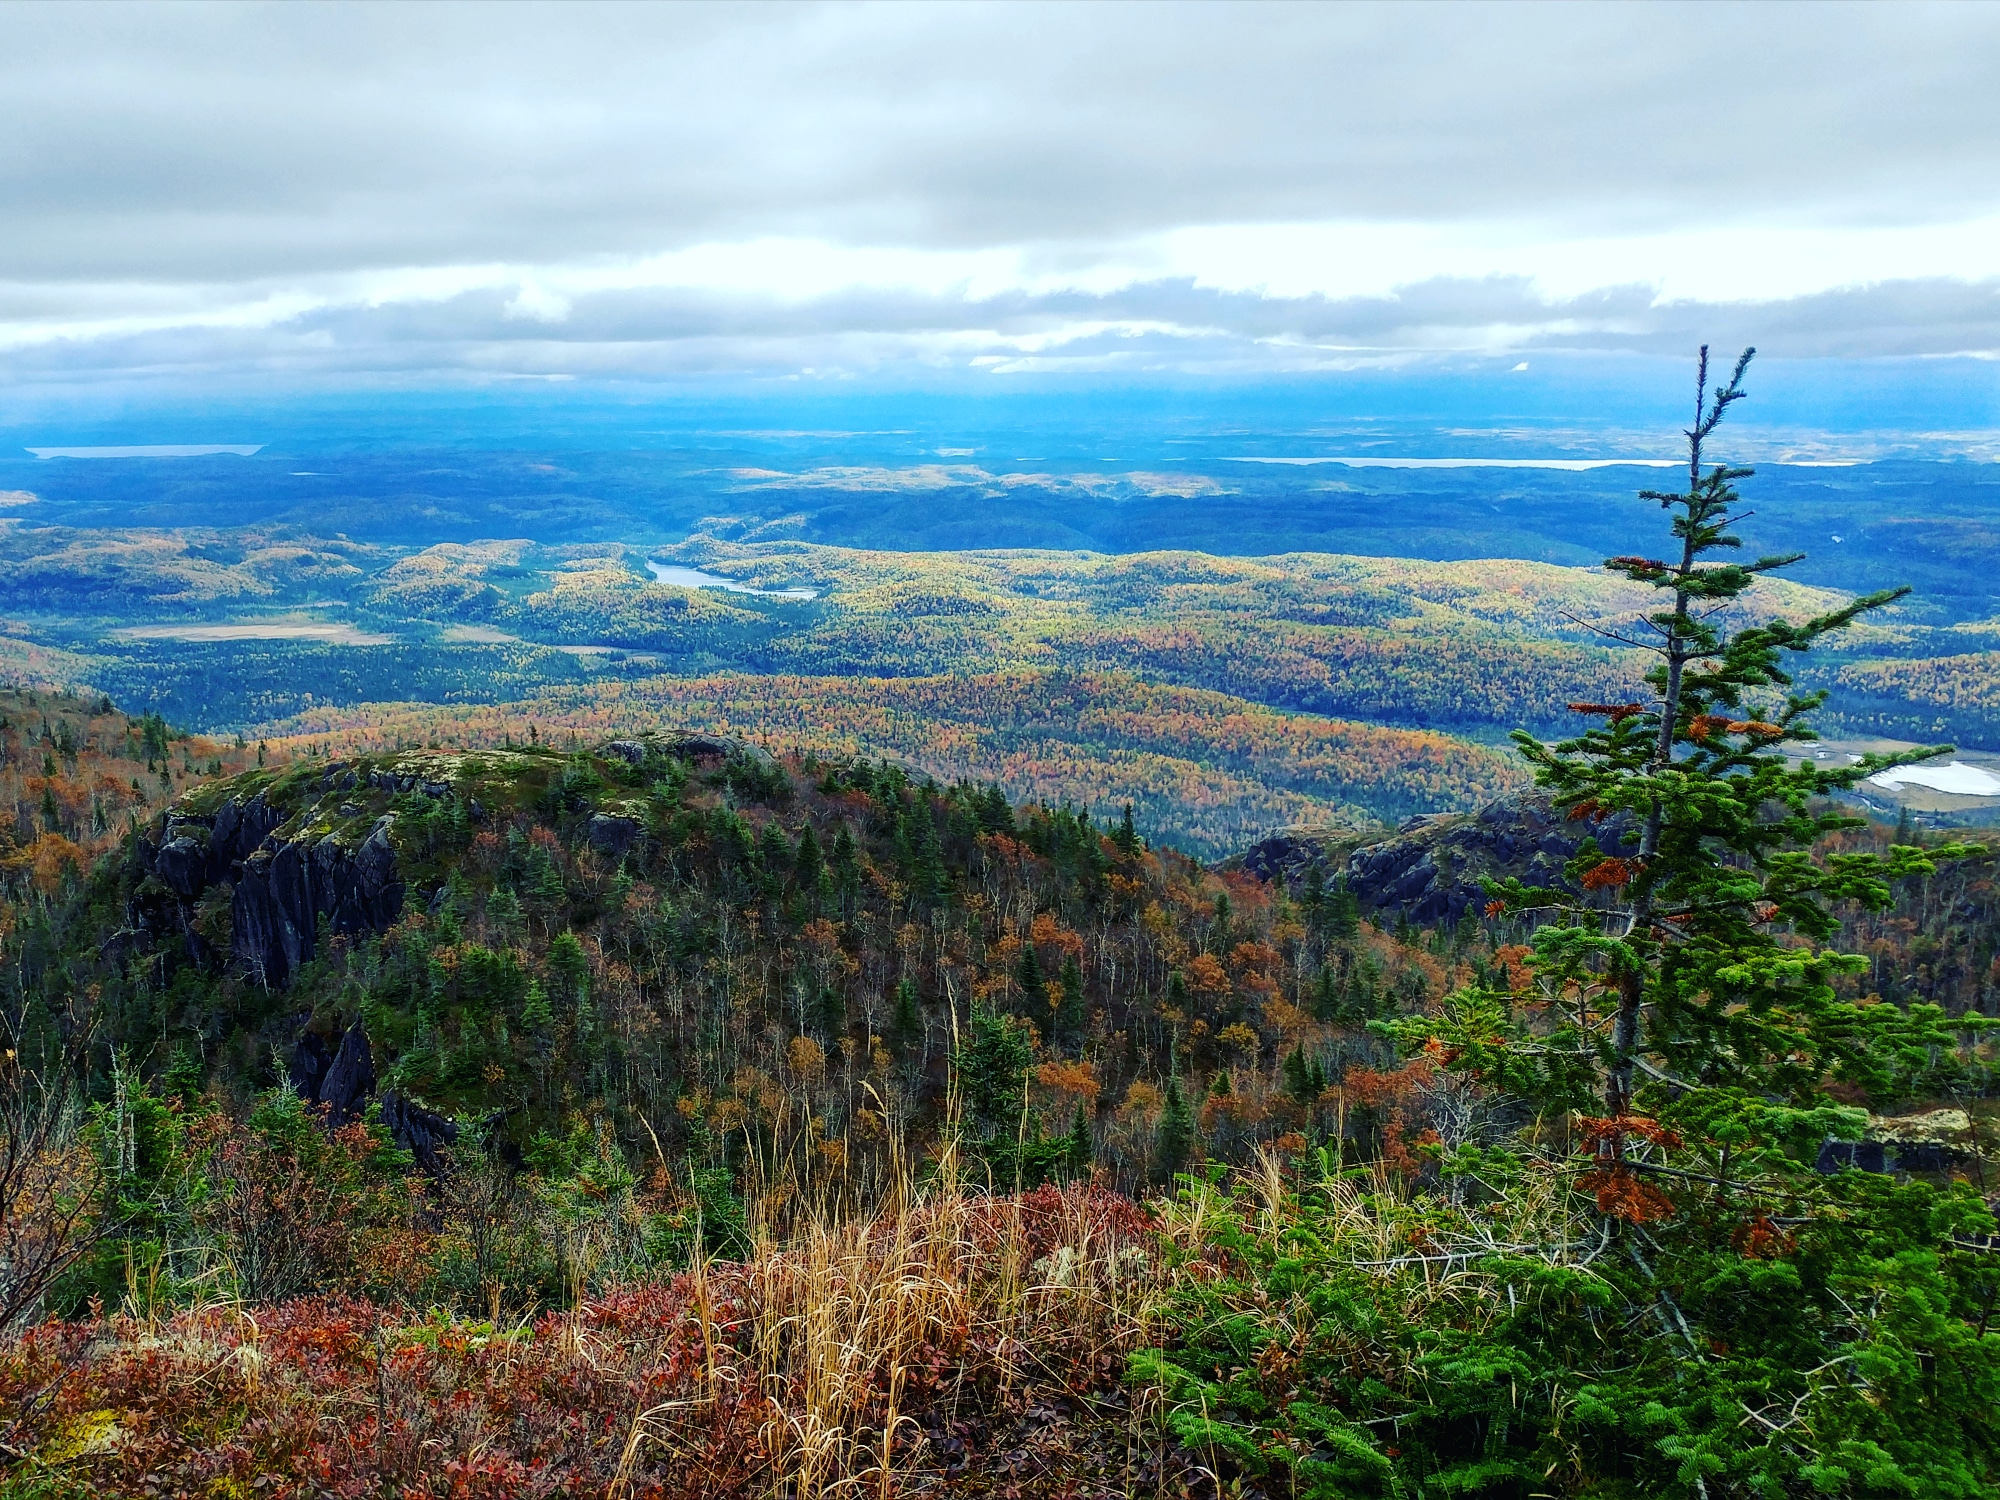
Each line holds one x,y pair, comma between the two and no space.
894,1081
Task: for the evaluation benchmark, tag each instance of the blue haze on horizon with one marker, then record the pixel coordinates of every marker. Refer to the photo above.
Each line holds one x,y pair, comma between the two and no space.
420,225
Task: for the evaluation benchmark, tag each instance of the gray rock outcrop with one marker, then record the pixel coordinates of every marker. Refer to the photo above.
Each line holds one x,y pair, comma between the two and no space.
419,1131
341,1082
349,1080
612,833
282,893
281,889
1431,870
695,748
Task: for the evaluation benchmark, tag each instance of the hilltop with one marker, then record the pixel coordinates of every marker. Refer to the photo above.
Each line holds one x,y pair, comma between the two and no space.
702,940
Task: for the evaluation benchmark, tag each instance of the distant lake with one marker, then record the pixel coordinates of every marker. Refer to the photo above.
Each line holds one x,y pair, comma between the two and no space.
152,450
694,578
1957,778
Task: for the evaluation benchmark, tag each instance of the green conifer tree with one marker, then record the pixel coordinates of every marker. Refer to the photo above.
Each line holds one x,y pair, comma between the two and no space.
1030,981
569,969
1175,1142
1733,1321
1072,1015
1341,913
1705,978
906,1021
1327,996
1222,929
808,863
844,865
991,1064
1082,1149
1298,1077
1312,892
774,862
923,857
830,1013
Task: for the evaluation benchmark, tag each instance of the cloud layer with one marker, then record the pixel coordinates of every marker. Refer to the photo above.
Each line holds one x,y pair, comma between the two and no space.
334,192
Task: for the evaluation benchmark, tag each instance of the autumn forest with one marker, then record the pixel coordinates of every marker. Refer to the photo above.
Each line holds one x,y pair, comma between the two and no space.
754,1014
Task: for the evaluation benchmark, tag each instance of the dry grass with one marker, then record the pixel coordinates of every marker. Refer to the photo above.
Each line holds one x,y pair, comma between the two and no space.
867,1356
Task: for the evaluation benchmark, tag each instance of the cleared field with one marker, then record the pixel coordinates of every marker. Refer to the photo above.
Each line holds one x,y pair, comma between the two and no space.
257,630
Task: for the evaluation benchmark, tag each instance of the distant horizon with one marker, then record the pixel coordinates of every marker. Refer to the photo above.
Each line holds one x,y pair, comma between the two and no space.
1575,409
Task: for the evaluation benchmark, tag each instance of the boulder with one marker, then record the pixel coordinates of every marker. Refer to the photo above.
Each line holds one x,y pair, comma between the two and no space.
612,833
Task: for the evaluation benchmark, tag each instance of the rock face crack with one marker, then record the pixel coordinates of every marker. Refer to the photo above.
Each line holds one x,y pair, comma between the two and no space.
282,894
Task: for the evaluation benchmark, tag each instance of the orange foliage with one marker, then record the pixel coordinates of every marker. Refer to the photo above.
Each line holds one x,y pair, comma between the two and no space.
1623,1194
1046,932
51,859
1620,1190
1200,763
1760,1239
1608,874
1607,1136
1205,976
1254,964
1394,1092
1513,958
1073,1080
86,763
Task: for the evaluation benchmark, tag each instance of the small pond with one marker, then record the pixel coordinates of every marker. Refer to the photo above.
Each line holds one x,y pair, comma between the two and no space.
694,578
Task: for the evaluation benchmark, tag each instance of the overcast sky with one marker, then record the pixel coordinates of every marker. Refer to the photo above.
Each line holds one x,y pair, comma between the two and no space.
315,194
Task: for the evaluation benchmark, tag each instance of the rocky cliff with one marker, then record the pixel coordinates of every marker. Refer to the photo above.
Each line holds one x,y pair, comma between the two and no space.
285,876
1430,871
311,849
341,1080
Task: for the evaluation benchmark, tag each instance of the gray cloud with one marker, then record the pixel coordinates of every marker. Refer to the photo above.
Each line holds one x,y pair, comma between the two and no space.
1167,325
172,162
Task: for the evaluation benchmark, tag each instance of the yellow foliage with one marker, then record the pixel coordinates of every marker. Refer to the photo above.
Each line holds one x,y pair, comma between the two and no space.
806,1059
